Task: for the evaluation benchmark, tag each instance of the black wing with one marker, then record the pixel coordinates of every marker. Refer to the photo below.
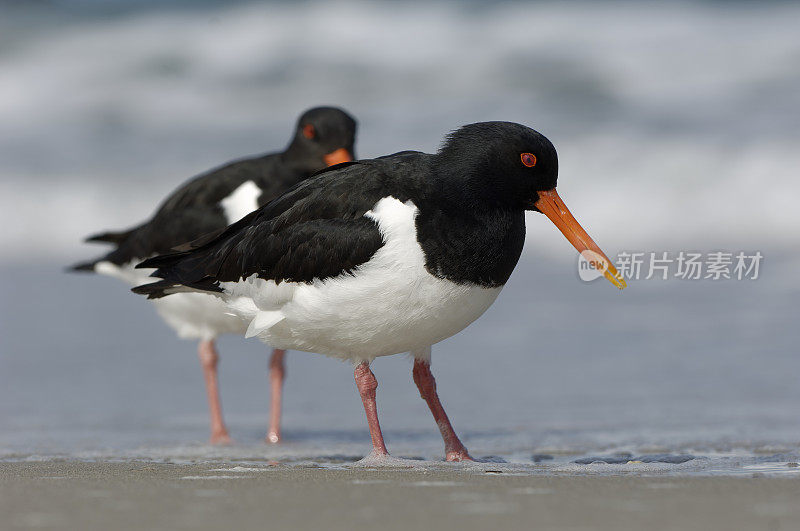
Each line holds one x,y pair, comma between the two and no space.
192,210
317,230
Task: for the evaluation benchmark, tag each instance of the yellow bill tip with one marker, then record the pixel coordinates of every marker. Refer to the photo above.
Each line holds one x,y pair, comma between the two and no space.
616,279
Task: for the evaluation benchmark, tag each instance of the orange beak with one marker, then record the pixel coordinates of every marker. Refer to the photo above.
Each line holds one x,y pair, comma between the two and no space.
337,157
554,208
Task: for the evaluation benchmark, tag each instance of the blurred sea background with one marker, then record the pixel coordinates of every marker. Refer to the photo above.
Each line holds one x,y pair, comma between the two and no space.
677,127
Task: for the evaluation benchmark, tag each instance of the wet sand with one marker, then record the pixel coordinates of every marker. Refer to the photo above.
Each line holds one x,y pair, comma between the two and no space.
145,495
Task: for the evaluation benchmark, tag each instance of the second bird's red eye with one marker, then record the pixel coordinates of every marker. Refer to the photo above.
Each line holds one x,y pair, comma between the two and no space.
308,131
528,159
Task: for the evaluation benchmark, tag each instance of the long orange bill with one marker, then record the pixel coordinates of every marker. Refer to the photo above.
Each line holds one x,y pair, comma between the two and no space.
337,157
551,205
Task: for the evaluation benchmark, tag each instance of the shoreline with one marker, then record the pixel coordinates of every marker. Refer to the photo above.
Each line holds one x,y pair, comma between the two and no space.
64,494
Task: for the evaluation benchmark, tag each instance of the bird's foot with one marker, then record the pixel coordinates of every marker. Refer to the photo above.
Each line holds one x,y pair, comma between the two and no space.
273,437
455,456
220,439
378,454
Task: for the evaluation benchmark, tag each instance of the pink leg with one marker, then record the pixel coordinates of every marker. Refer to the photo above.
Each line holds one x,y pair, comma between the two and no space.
367,384
208,359
277,372
453,449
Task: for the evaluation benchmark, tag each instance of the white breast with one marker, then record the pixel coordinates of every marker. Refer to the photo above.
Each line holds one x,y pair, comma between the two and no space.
391,304
241,201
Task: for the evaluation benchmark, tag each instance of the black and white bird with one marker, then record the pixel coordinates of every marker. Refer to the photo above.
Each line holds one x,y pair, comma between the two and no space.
324,136
384,256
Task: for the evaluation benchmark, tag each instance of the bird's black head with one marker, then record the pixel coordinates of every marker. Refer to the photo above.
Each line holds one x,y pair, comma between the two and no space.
324,136
507,166
498,164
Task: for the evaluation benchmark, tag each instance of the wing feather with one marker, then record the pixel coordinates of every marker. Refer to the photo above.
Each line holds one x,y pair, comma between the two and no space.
317,230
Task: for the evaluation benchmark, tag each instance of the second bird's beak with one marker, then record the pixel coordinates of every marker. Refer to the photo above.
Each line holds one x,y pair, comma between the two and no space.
337,157
551,205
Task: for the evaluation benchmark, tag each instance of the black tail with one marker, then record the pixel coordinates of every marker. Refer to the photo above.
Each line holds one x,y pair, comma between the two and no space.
156,290
88,267
110,237
116,256
83,267
159,289
178,273
162,288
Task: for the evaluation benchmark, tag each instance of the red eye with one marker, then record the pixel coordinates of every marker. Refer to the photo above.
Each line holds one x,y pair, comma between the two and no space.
528,159
308,131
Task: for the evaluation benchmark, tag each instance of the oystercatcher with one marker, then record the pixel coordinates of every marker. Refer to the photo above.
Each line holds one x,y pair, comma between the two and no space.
324,136
384,256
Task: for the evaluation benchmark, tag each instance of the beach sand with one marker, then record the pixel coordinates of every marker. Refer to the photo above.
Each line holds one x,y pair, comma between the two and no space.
148,495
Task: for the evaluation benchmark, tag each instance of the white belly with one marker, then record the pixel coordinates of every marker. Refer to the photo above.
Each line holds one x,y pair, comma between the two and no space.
391,304
199,316
191,315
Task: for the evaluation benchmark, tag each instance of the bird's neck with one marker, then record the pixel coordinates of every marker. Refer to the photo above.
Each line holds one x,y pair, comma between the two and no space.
467,246
298,159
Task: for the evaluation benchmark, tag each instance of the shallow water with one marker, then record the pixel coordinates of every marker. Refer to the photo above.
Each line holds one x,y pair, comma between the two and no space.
676,129
557,371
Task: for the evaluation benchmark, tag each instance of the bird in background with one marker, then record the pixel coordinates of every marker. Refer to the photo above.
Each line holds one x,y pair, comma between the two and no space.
384,256
206,204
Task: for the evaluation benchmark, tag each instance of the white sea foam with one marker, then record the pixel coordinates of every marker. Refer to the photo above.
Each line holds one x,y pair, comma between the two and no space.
673,123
